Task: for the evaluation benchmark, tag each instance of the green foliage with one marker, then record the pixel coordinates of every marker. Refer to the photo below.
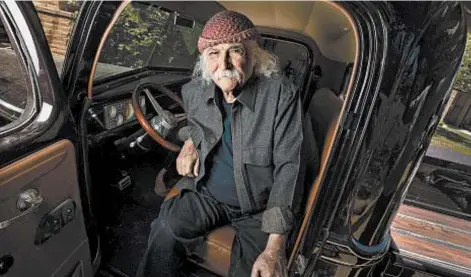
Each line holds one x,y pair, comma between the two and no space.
145,35
133,36
463,80
72,6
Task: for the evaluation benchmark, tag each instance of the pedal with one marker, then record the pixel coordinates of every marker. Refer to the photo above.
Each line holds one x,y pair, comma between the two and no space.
124,181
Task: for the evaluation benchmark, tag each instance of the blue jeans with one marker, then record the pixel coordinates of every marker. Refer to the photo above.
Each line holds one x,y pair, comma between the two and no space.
180,229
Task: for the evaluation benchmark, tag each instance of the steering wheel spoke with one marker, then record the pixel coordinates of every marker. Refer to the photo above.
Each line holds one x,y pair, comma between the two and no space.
165,123
180,117
154,102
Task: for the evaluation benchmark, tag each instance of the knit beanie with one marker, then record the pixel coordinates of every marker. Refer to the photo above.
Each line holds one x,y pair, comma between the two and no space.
227,27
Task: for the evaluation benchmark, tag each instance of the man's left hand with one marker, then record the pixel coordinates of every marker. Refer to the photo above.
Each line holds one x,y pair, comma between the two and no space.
270,263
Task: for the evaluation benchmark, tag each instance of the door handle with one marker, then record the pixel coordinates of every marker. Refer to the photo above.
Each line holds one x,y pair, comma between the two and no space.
28,201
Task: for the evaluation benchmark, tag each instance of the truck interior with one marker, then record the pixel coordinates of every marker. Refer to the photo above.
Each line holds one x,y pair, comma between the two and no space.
126,169
316,46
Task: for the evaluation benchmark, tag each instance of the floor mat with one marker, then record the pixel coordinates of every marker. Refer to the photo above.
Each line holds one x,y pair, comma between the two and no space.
128,225
127,239
143,190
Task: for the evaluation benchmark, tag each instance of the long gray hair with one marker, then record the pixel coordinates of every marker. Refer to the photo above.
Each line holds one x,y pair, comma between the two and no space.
265,63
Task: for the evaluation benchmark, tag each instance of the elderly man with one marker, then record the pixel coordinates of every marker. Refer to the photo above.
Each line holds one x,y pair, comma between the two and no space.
242,160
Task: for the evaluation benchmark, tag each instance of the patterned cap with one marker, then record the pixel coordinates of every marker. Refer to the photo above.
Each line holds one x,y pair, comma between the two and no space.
227,27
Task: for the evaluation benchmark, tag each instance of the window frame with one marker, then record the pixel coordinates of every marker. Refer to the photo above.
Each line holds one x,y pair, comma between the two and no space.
32,95
306,48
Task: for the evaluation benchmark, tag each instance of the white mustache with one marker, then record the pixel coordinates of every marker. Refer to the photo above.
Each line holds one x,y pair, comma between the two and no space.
227,74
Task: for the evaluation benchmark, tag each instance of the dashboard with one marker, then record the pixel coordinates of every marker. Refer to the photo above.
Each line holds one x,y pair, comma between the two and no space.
111,119
119,113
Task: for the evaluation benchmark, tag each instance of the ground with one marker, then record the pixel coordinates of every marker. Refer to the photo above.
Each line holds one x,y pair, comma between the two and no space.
453,139
451,195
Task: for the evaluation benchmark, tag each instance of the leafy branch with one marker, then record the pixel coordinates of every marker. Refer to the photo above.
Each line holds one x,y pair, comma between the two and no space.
463,80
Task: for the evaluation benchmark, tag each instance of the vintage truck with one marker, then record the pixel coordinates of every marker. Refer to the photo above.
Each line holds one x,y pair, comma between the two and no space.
82,143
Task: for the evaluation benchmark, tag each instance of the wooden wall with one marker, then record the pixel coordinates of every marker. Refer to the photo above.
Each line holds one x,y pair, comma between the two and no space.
459,113
57,25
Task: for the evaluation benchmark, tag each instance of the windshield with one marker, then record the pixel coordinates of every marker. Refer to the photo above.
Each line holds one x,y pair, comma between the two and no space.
146,35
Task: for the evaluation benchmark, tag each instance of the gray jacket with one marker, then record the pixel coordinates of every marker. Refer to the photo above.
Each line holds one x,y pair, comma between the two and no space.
267,136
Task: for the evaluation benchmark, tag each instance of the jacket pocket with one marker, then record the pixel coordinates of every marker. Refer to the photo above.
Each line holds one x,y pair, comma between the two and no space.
258,174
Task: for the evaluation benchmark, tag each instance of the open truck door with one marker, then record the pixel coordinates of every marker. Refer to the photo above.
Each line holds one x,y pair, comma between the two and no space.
42,227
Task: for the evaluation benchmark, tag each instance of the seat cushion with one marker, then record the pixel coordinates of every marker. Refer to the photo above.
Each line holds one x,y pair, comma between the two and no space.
324,109
216,253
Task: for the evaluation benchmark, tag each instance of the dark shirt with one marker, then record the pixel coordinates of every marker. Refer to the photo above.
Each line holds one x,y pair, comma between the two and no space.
220,182
267,135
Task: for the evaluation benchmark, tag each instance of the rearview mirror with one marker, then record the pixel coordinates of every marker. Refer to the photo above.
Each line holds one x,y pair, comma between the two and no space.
182,21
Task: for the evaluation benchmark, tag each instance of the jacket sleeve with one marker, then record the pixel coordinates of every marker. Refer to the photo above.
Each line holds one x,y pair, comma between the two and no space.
188,95
288,173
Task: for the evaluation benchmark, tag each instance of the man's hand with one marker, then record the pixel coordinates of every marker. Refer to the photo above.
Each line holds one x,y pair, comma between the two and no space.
188,162
272,261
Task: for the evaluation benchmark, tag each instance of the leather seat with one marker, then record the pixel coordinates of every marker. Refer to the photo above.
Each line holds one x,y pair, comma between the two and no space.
216,253
324,112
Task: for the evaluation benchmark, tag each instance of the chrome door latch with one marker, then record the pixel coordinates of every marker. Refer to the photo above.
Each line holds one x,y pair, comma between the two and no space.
28,201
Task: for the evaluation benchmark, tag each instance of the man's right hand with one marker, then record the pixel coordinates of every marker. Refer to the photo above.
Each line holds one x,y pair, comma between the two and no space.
188,162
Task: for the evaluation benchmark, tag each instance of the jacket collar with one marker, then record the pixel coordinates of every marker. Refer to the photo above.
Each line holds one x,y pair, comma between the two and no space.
246,94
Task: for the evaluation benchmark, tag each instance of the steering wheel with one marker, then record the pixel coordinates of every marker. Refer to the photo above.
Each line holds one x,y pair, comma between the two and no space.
165,124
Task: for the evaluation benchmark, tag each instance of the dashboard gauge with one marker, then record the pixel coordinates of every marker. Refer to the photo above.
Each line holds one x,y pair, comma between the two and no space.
112,111
129,113
121,112
119,120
